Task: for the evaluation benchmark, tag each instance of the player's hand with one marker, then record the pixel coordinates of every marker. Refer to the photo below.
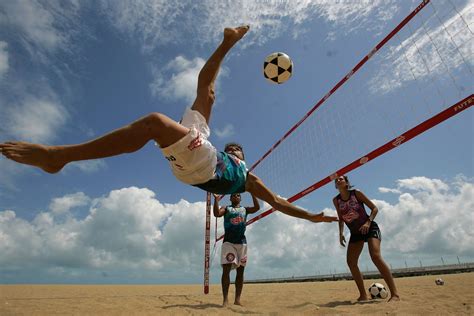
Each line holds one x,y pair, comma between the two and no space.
320,217
364,229
342,240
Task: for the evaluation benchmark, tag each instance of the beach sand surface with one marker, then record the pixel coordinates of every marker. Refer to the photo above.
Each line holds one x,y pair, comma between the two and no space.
419,295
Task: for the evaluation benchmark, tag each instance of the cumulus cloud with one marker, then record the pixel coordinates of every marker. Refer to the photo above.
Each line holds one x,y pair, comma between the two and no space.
389,190
128,235
127,229
225,132
178,79
35,120
66,203
3,58
436,214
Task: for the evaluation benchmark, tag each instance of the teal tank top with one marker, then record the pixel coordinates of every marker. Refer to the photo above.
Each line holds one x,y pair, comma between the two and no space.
230,175
234,225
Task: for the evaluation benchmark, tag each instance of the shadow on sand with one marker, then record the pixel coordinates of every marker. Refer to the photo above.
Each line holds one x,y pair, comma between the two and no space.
342,303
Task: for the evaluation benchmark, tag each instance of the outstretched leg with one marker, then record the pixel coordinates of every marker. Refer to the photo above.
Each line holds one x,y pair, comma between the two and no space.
257,188
127,139
208,74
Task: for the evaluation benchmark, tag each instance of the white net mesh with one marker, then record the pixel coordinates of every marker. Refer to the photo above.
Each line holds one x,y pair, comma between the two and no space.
425,68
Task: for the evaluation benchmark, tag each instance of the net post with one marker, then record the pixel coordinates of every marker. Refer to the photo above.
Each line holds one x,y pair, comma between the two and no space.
207,237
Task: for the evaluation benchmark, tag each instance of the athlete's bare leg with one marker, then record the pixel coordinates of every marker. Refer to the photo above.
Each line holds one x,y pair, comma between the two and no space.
127,139
257,188
208,74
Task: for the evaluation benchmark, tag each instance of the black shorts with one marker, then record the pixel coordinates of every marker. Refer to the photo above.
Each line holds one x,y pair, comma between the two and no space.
374,232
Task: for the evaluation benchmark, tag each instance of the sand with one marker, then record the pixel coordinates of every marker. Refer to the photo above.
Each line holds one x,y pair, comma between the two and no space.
419,296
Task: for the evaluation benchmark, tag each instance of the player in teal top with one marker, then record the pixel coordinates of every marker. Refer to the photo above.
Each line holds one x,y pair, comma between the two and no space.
235,218
234,246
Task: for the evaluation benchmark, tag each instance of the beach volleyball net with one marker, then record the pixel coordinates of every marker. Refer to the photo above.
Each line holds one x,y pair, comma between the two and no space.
416,77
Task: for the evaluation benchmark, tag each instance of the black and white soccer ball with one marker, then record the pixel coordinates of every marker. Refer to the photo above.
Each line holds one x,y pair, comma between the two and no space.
377,290
277,67
439,281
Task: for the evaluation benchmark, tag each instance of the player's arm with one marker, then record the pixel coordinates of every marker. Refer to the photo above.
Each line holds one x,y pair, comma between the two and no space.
362,198
364,229
255,207
342,239
218,211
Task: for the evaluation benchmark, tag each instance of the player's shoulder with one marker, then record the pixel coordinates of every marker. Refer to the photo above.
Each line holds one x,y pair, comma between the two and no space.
358,194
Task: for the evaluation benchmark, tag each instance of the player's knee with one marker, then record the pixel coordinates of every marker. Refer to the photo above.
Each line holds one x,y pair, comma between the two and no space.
352,263
154,120
376,257
151,125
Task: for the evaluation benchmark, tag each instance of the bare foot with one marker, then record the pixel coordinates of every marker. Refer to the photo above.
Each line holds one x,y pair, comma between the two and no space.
238,303
394,298
233,35
363,298
32,154
225,303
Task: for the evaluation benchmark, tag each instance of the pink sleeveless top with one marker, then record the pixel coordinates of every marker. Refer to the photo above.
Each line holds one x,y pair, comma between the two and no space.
352,212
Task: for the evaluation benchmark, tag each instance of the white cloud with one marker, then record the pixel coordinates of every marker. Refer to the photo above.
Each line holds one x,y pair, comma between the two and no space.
225,132
128,235
388,190
43,26
349,16
436,214
9,170
428,53
129,229
87,166
178,79
35,119
64,204
161,22
3,58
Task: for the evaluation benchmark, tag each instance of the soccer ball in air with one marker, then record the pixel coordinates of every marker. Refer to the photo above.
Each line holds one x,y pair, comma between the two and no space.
377,290
277,67
439,282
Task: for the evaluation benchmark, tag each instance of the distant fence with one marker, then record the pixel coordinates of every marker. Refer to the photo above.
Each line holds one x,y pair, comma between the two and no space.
403,272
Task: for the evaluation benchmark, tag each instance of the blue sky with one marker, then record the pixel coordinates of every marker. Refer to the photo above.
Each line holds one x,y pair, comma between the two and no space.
74,70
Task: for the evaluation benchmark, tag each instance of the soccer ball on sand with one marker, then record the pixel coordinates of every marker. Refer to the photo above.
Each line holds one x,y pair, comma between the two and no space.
377,290
277,67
